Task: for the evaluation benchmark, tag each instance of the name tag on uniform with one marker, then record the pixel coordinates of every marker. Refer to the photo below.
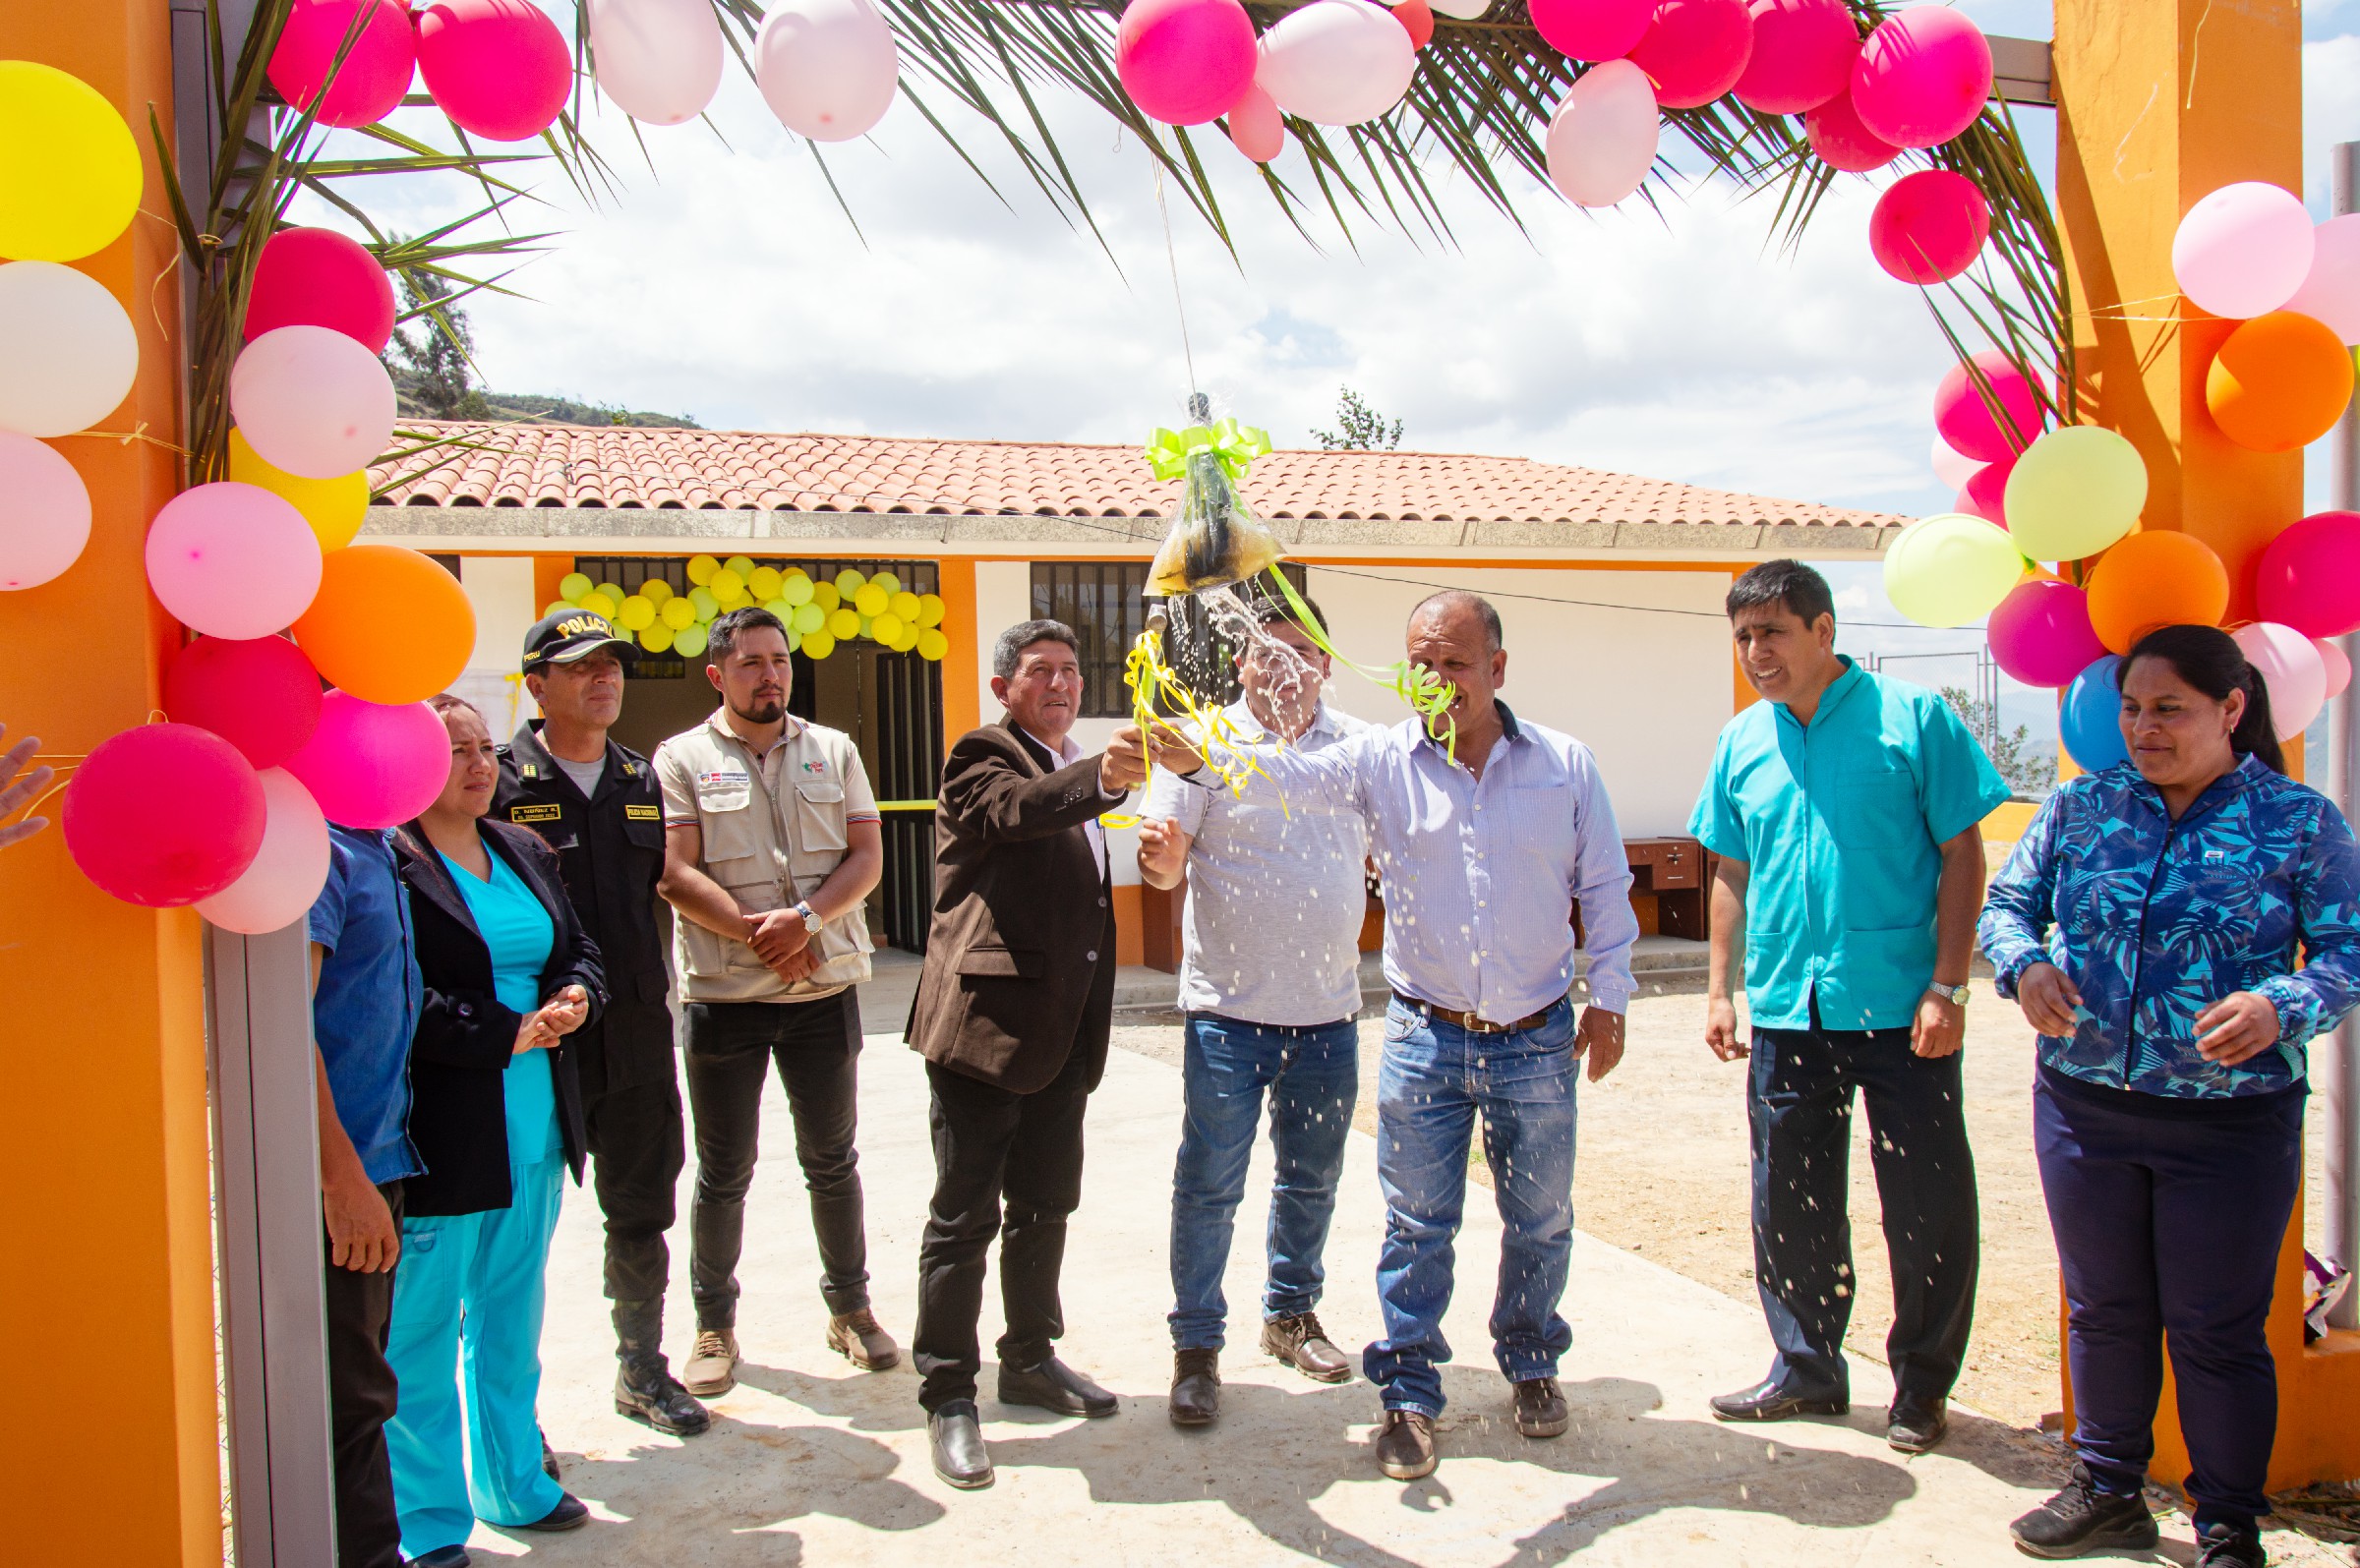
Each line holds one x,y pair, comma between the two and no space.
643,813
539,813
723,779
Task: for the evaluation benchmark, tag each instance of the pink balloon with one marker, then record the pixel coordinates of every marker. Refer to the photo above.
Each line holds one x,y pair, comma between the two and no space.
261,695
2243,250
376,68
317,277
2339,668
499,68
659,60
1952,468
1603,136
1842,142
1929,226
2291,668
2308,576
828,69
1966,421
288,869
232,560
311,401
1923,76
1803,55
1592,30
2331,290
2041,633
371,766
45,513
1696,50
1256,127
1985,495
1185,62
164,815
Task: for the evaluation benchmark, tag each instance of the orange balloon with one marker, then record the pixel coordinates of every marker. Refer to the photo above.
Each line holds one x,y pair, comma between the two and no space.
388,626
2155,579
2278,383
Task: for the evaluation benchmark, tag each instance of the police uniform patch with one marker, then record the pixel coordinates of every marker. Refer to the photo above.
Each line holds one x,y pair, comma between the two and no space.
643,813
537,813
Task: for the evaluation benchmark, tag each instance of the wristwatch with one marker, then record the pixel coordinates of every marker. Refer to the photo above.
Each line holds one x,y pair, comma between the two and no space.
812,921
1955,995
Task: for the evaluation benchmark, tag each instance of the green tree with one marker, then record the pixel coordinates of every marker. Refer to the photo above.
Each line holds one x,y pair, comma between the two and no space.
432,357
2024,770
1361,428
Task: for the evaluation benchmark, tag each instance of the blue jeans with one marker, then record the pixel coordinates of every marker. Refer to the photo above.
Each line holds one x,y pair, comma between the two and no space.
1435,1080
1313,1075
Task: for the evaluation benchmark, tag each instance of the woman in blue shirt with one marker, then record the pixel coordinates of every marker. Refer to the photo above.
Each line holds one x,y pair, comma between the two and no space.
496,1118
2175,927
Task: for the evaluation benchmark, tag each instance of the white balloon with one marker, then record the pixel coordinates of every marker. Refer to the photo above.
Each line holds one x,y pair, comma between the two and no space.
827,68
2339,668
1460,10
68,352
1602,139
288,871
1336,62
1953,467
2292,668
45,513
2331,290
659,60
311,401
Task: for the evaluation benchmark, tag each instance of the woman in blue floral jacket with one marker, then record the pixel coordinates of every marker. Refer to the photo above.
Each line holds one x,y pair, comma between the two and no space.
2150,924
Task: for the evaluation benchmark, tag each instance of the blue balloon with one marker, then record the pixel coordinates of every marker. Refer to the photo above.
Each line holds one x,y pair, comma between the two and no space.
2091,721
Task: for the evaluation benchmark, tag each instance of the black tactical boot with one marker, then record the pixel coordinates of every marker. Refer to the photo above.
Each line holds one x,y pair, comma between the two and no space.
644,1388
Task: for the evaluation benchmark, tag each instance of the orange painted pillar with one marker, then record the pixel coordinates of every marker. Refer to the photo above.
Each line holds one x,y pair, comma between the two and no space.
2160,103
962,664
105,1237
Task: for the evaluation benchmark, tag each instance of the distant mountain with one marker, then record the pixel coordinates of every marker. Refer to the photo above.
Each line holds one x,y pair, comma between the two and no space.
531,408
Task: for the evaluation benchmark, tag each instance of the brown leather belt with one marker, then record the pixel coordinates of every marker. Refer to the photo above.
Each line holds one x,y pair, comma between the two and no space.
1468,1020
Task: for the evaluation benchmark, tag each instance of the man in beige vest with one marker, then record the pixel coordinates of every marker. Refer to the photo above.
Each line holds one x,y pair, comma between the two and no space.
771,844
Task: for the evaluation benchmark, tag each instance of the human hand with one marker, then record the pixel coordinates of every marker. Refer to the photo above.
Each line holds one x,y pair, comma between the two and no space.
1160,856
361,1232
777,935
1600,1038
1721,1030
567,1011
1939,1029
2048,1000
15,797
2239,1026
797,968
1174,750
533,1033
1123,765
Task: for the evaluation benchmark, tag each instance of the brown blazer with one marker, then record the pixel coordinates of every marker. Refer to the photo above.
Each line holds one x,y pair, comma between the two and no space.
1020,960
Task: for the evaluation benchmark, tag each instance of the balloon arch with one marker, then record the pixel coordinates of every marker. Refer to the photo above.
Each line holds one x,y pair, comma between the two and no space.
290,402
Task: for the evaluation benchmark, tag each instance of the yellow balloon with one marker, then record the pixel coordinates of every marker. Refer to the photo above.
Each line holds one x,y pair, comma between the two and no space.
635,614
904,607
727,583
825,595
701,569
887,581
678,613
656,639
69,167
796,588
886,628
929,609
335,507
655,590
847,582
819,644
573,586
933,645
870,600
598,604
844,624
906,640
743,565
763,582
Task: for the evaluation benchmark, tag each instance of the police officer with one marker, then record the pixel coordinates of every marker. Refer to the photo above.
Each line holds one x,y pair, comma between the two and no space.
597,806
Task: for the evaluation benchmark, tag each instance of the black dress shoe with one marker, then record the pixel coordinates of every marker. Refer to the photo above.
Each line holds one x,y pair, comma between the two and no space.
548,1459
1196,1387
646,1391
1916,1425
1769,1402
572,1513
2081,1519
955,1438
1053,1385
441,1557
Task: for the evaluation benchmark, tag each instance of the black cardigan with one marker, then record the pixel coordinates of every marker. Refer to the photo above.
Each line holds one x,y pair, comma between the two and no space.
458,1094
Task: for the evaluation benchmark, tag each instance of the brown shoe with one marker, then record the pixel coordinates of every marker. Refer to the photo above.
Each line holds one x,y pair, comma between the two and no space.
1301,1343
1405,1444
712,1366
1541,1407
856,1337
1196,1387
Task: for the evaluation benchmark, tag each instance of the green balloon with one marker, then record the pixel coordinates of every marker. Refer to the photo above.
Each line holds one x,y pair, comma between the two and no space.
707,607
808,619
797,589
2075,491
1950,570
689,642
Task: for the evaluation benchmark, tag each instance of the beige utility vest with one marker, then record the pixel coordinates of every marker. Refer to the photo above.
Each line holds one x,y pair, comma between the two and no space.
770,848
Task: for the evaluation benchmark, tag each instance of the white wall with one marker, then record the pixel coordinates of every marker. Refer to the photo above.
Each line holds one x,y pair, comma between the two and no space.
1646,686
501,589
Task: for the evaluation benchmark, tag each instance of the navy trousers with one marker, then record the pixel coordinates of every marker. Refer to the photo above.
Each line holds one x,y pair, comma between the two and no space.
1800,1104
2169,1216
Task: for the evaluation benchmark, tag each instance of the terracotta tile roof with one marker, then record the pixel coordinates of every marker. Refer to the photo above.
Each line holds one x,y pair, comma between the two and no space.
590,466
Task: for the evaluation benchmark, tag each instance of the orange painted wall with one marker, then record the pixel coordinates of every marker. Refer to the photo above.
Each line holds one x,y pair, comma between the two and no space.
105,1237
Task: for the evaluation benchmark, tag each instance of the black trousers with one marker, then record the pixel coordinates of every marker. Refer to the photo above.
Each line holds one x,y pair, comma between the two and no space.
360,1395
728,1047
1800,1105
991,1144
636,1152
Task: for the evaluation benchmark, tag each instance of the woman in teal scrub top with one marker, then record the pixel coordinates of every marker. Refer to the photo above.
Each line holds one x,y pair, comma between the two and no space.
496,1113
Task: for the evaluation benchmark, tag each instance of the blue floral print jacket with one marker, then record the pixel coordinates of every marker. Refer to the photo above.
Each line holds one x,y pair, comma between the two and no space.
2155,921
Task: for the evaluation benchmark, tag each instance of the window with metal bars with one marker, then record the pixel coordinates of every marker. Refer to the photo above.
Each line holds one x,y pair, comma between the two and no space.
1104,602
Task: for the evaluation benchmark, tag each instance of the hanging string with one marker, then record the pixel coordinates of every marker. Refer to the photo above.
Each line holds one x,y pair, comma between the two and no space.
1179,305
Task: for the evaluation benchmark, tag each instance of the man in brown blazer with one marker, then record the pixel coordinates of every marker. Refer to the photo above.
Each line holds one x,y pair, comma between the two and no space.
1012,1016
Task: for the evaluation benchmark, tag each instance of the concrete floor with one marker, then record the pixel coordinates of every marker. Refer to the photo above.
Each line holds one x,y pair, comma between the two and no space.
811,1461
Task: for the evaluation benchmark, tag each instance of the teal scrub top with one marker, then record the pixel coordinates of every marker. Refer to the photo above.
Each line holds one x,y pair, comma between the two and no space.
1842,821
519,933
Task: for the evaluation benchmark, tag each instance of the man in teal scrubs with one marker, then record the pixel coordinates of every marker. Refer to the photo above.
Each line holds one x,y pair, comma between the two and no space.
1846,810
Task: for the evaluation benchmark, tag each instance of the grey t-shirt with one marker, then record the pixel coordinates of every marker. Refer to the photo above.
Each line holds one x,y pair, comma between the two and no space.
585,774
1270,932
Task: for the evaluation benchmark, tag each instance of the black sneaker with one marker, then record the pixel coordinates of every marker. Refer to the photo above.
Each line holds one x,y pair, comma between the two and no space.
2228,1546
2081,1519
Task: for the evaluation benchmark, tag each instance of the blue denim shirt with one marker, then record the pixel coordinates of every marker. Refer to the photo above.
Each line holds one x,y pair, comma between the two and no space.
2155,921
365,1008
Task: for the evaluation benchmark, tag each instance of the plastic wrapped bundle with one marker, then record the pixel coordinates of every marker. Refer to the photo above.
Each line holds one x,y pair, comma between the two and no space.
1213,539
